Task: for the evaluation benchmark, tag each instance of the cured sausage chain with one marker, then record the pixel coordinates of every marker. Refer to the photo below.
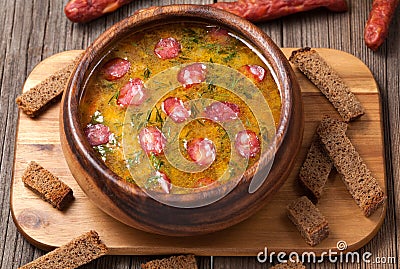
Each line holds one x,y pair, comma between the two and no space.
377,26
87,10
260,10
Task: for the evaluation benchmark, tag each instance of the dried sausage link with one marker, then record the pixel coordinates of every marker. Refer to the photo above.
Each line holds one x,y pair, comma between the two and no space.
167,48
254,71
253,10
377,26
247,144
115,69
175,109
87,10
152,140
262,10
222,111
97,134
202,151
132,93
192,74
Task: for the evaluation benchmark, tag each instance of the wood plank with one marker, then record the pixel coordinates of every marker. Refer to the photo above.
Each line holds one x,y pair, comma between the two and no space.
384,244
48,31
38,140
343,32
392,94
12,75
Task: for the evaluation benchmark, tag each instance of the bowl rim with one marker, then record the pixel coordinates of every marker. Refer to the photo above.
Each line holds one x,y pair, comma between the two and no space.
72,96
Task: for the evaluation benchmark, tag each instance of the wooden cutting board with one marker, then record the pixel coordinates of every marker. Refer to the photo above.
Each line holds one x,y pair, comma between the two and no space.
46,227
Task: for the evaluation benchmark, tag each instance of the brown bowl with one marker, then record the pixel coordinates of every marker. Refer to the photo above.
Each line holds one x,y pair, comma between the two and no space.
130,204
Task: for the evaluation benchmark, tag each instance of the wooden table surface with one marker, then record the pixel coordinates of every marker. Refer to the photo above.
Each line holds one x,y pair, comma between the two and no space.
31,31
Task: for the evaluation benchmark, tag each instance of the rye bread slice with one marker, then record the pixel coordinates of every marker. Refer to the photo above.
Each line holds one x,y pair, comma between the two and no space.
47,186
316,69
37,99
355,174
317,166
174,262
315,169
289,265
309,220
77,252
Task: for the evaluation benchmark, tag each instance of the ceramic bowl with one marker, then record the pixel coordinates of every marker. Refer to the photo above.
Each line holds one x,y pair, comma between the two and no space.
127,202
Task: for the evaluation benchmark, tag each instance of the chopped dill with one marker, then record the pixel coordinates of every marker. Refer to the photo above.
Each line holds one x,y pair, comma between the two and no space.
103,151
199,121
184,58
146,73
158,118
157,163
211,87
97,117
108,85
113,140
248,95
130,180
229,57
153,182
194,110
115,96
135,118
135,159
161,85
248,123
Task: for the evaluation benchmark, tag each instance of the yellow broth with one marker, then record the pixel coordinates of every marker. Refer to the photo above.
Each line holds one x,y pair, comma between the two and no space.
98,104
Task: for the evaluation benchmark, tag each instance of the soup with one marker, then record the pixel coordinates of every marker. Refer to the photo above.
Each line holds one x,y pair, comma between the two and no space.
180,107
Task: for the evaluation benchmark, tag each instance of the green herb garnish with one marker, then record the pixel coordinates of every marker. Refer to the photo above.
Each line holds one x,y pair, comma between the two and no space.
115,96
153,182
211,87
97,117
158,118
113,140
184,58
235,82
199,121
157,163
229,57
103,151
135,159
146,73
194,110
109,85
248,95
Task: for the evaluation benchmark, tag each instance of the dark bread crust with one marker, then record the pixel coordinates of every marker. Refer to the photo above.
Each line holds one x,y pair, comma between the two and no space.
317,166
289,265
322,75
295,53
309,220
175,262
363,187
47,186
39,97
315,169
77,252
